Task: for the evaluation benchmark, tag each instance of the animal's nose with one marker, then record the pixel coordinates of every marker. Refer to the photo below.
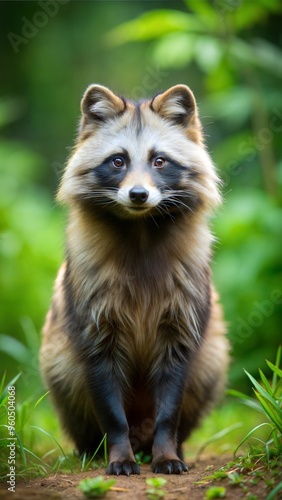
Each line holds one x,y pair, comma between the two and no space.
138,194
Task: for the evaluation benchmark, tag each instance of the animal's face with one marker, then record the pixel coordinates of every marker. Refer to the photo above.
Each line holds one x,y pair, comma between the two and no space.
140,159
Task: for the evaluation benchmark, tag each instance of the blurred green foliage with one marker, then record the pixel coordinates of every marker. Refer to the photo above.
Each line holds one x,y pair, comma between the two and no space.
228,52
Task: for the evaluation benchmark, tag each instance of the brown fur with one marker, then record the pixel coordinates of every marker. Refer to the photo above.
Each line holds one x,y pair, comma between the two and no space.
134,342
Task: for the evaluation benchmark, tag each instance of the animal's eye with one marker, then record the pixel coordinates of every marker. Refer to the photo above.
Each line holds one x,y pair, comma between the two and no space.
118,162
159,162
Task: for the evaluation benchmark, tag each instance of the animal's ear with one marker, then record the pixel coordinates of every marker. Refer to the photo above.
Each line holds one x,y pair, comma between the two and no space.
99,104
177,104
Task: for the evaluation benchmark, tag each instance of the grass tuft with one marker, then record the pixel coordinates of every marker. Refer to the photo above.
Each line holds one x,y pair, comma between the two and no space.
262,463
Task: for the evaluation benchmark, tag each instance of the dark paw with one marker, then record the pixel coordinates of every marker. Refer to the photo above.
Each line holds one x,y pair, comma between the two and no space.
169,467
125,467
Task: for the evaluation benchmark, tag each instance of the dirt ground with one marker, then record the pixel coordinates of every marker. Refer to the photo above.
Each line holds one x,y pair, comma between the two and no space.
64,486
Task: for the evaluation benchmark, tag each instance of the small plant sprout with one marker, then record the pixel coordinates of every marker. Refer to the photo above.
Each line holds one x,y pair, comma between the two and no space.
235,479
142,458
155,492
94,487
216,492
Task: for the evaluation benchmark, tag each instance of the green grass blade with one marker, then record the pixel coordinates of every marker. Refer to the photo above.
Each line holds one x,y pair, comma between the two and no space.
54,439
272,411
83,461
2,382
86,463
272,495
277,364
237,394
40,399
21,447
48,453
250,434
273,405
217,436
278,356
265,383
275,439
260,389
105,449
27,450
98,448
246,400
5,392
274,368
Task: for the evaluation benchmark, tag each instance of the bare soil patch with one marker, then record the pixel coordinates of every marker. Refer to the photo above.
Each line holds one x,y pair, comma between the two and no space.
178,487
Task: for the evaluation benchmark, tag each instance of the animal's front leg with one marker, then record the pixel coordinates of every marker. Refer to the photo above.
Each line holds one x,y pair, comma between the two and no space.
169,390
108,405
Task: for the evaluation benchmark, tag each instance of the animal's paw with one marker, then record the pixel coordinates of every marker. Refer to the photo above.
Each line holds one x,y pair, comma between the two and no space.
169,466
124,467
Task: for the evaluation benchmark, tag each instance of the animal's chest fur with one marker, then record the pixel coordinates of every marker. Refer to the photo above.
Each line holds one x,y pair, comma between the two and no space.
131,307
137,317
135,298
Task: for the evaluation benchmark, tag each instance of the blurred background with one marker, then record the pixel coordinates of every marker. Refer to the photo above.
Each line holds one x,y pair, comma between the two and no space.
228,52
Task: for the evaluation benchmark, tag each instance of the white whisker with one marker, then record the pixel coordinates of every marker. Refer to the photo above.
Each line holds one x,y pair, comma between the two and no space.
175,197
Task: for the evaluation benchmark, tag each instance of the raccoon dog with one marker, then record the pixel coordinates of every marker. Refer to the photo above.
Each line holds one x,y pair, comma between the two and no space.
134,342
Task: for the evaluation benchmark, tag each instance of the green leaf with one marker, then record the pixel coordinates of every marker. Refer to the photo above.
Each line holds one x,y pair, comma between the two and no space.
174,50
208,52
156,482
152,25
275,369
205,11
154,494
247,14
235,478
216,492
14,348
218,474
95,486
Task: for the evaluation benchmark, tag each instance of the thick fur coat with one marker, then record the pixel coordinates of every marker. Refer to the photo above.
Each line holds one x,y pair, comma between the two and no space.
134,343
